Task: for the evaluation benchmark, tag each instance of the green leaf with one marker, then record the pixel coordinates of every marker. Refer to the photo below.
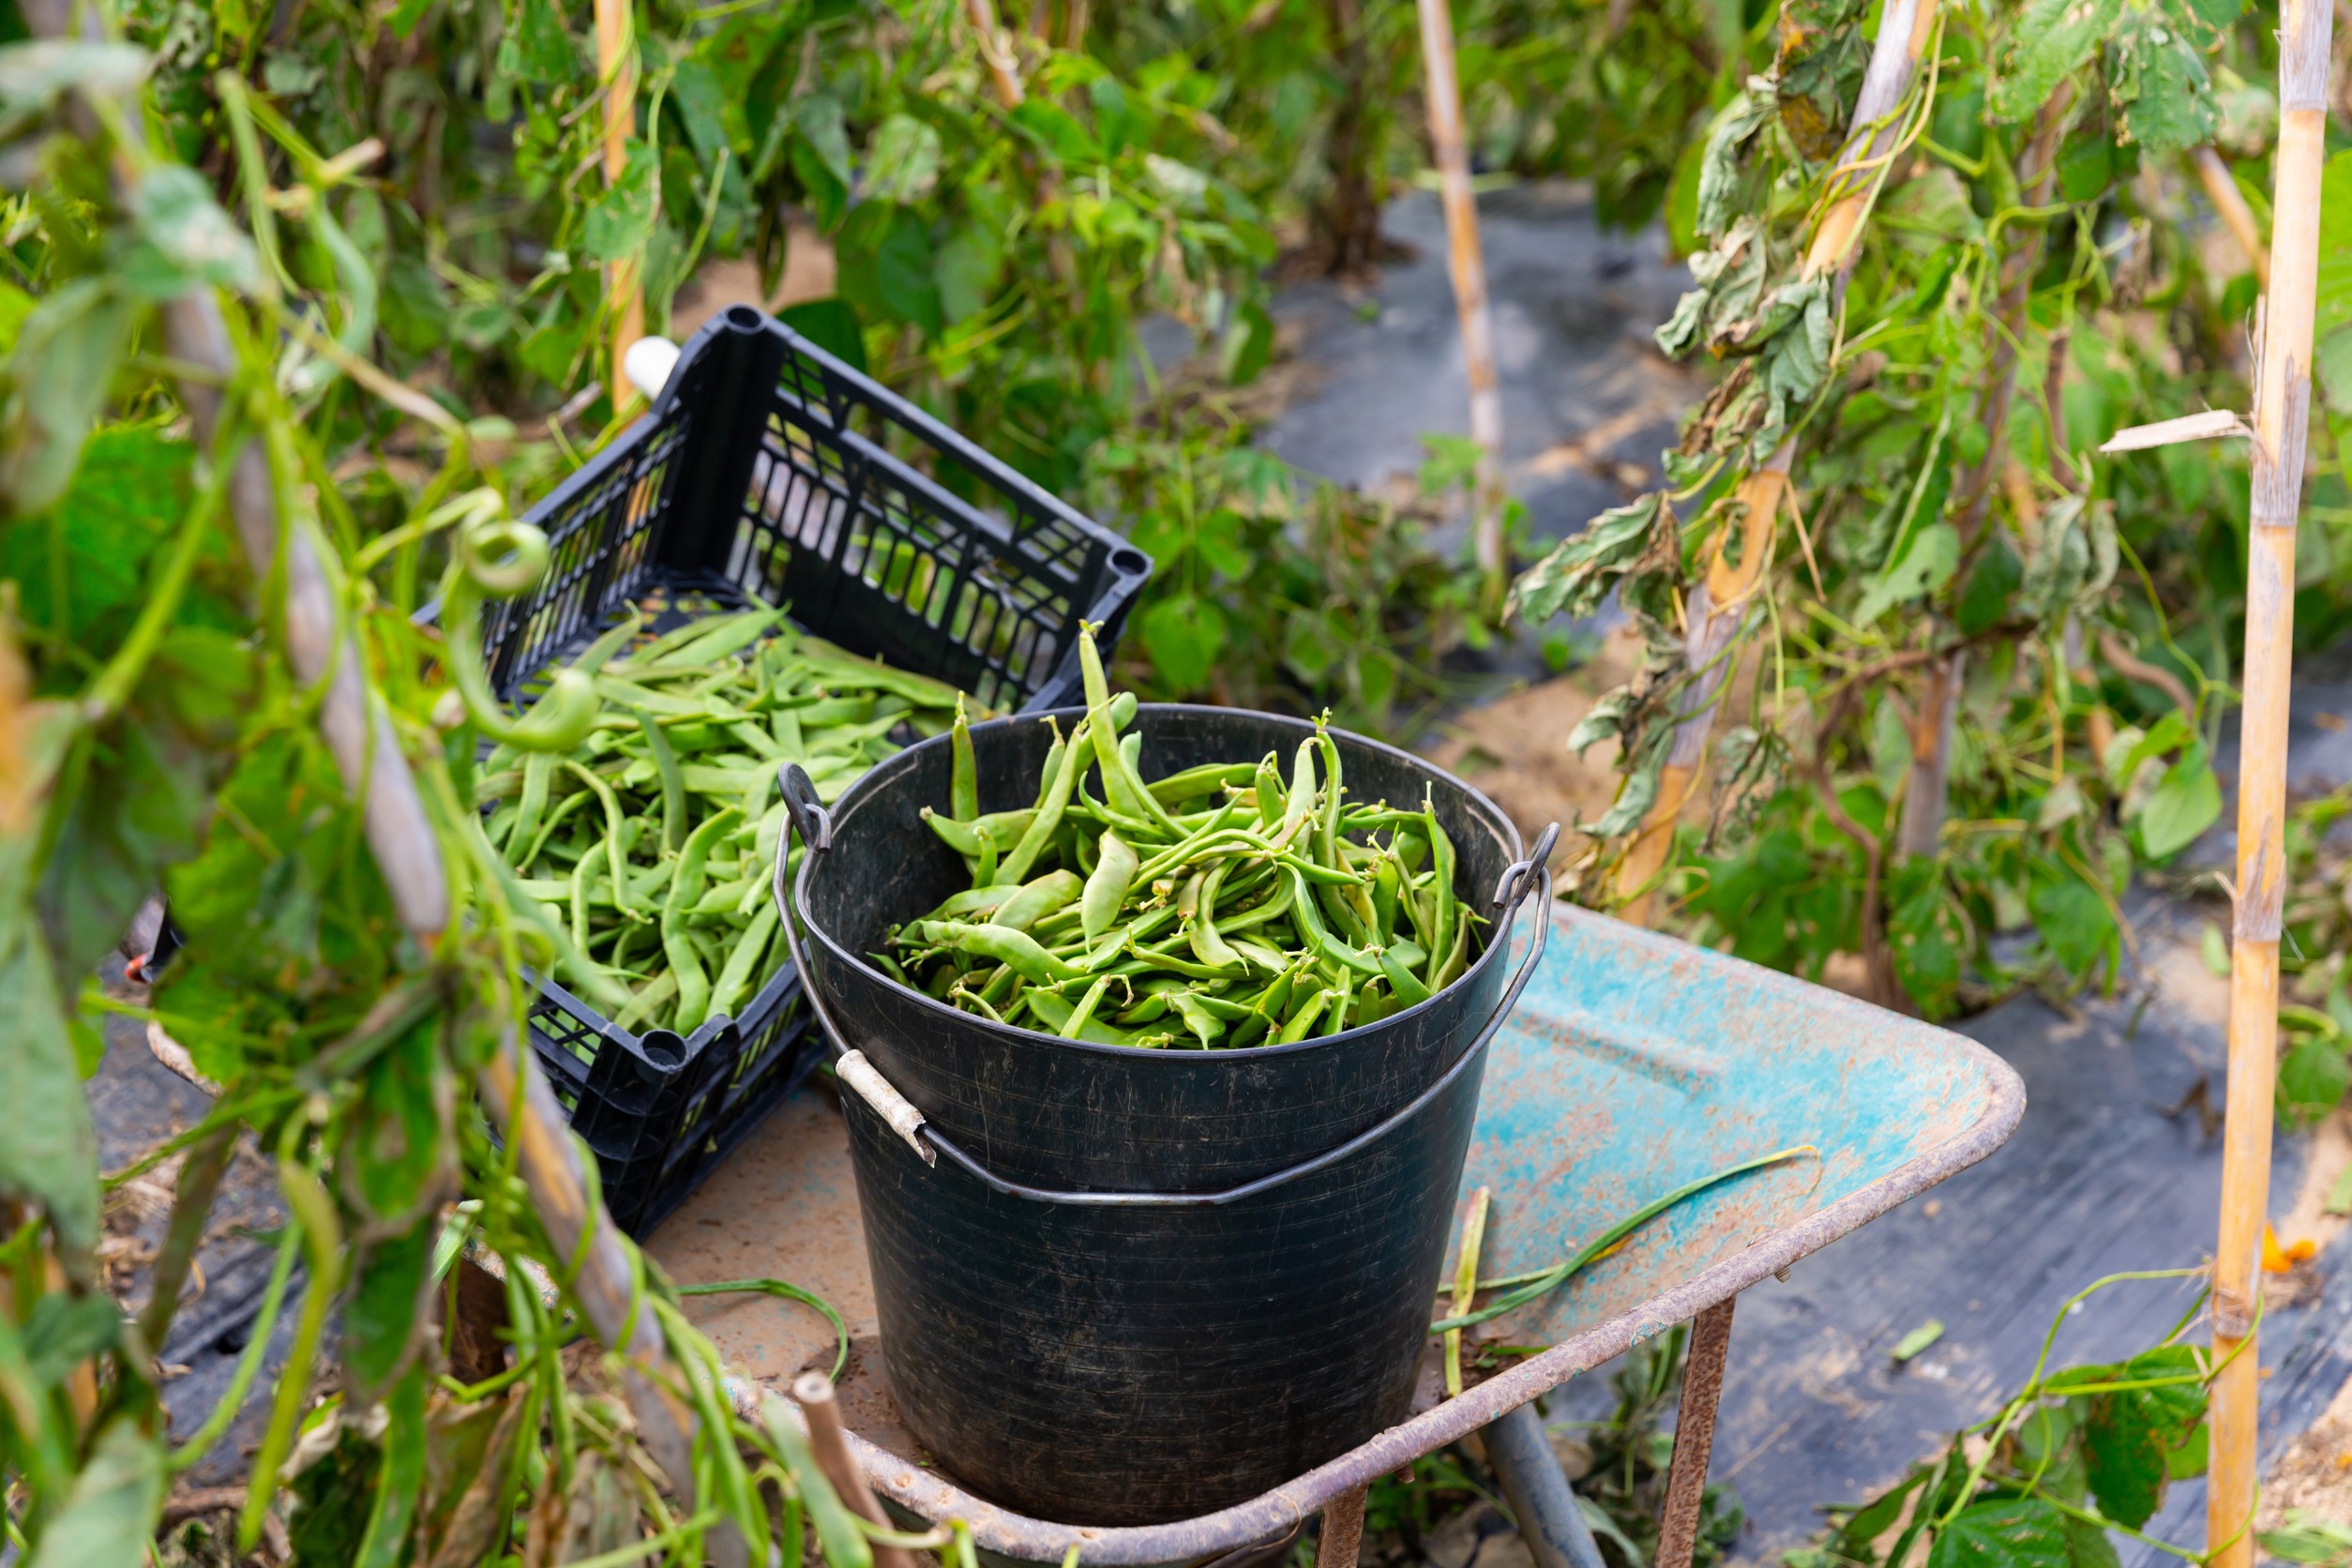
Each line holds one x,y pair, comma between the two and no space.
2015,1532
1875,1518
66,1331
1310,647
66,356
2184,805
542,48
2310,1537
1919,1339
818,119
620,221
1714,202
2163,88
402,1477
2335,247
147,811
1890,754
124,504
1579,571
702,104
2130,1432
50,1153
832,325
2049,41
967,269
416,307
1183,634
902,161
1985,598
2085,167
886,267
2313,1077
1184,187
2332,359
35,74
1249,344
383,1318
1058,131
2074,922
397,1142
1927,564
1639,789
2212,15
109,1516
183,240
2088,1546
15,305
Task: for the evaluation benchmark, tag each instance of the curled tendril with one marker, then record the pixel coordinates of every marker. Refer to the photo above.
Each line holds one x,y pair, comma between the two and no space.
496,557
501,555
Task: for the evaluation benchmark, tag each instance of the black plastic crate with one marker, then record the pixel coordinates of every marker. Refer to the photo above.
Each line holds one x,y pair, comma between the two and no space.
769,468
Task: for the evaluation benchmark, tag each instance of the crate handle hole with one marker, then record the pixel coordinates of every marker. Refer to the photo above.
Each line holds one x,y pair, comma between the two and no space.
663,1050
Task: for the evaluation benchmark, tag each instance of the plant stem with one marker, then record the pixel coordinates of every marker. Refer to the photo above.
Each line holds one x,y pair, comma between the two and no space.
2237,216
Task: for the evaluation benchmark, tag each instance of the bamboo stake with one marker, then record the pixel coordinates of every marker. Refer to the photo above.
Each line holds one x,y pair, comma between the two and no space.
1467,264
813,1392
624,279
1715,611
2282,422
996,49
2237,216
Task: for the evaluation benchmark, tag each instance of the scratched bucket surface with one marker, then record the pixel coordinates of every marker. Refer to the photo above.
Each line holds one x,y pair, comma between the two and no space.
1125,1366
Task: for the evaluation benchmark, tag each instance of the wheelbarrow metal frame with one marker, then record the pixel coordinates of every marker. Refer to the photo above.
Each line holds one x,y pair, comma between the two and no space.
1706,1296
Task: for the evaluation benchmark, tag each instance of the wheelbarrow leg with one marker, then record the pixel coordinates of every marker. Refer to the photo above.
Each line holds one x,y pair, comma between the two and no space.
1343,1530
1694,1435
1551,1520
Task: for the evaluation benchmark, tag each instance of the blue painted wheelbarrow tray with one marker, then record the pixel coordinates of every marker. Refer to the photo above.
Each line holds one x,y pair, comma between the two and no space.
1633,1065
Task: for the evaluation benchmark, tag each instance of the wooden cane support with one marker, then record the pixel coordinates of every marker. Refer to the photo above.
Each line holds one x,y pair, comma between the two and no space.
1465,262
2229,203
624,279
2281,416
1694,1435
1715,611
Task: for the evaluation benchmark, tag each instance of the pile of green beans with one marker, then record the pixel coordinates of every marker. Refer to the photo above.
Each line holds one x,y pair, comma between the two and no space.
653,841
1223,906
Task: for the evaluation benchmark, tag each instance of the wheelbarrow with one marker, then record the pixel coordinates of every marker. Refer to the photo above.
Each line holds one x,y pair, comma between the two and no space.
1632,1066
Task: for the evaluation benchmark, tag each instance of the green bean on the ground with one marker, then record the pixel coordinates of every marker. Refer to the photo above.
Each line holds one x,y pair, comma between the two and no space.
1220,907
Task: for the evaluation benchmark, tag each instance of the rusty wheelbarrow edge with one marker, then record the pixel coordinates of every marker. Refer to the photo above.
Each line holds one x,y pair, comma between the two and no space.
1277,1512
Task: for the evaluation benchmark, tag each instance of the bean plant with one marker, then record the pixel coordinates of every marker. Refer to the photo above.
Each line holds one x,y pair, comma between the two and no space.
193,614
1981,677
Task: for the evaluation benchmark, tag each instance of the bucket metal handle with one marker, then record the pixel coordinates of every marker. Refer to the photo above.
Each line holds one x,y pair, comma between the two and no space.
1522,881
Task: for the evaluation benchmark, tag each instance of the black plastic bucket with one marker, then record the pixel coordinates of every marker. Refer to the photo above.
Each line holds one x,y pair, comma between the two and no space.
1146,1283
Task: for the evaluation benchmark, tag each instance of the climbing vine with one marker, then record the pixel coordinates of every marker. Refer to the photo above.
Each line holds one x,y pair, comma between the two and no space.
1963,675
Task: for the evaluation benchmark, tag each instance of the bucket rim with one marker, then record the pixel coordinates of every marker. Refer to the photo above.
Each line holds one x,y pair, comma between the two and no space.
1497,821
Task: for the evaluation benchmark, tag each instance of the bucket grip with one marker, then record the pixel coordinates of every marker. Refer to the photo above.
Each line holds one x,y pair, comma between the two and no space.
1521,882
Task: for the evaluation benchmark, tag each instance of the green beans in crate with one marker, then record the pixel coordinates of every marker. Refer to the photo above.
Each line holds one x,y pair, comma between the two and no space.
767,473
